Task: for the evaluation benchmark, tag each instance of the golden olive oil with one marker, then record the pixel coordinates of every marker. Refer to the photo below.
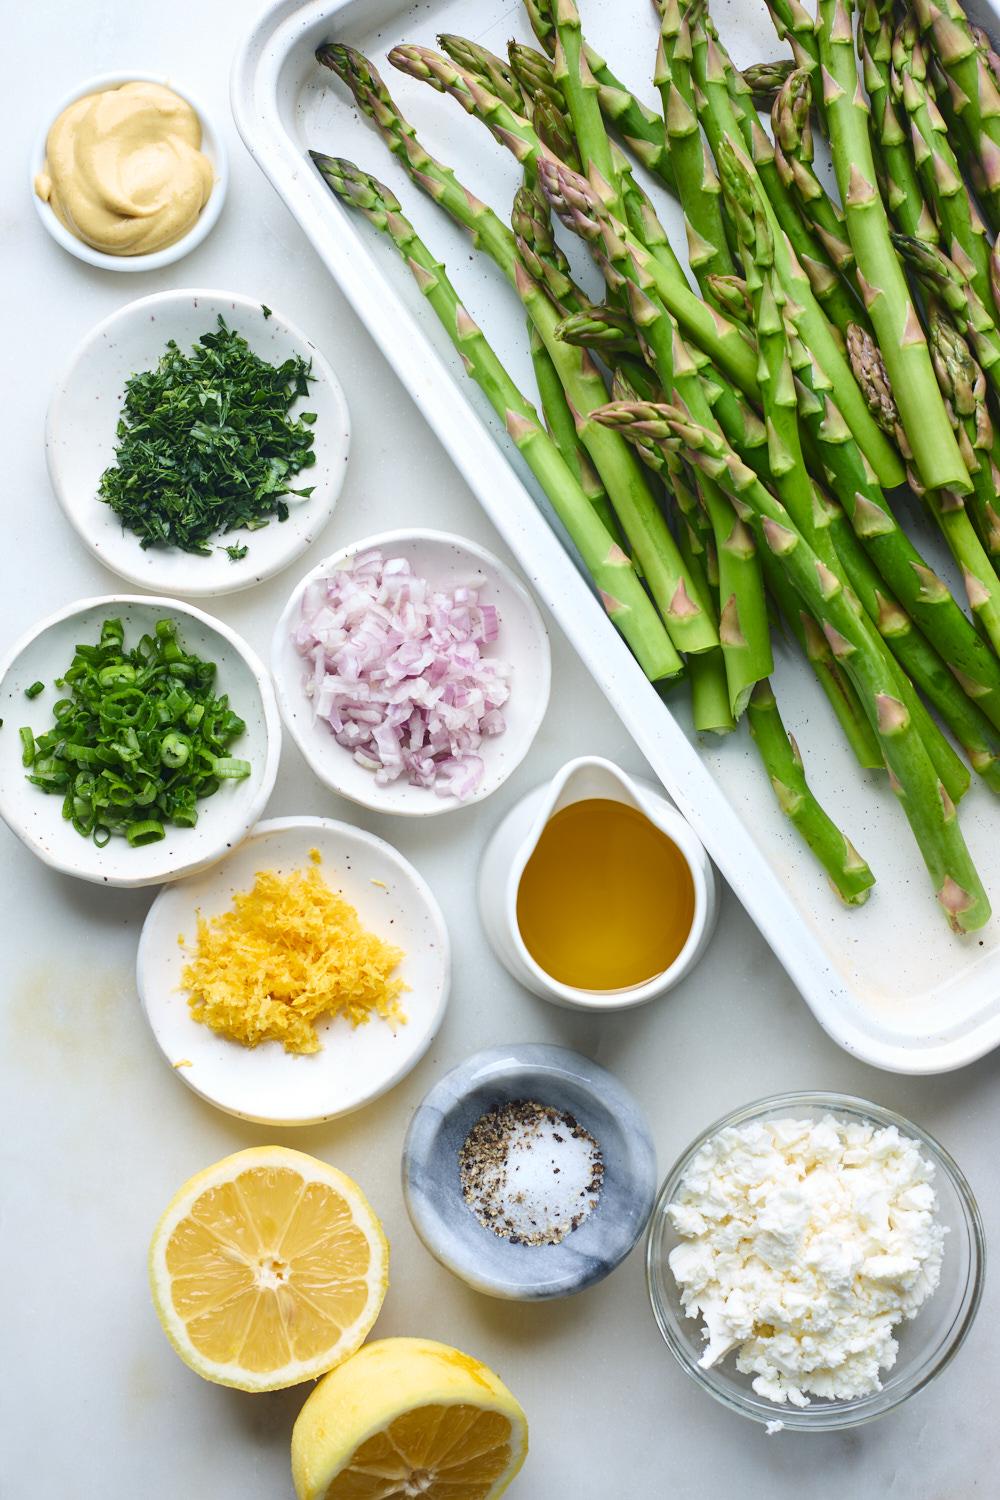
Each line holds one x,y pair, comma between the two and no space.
606,900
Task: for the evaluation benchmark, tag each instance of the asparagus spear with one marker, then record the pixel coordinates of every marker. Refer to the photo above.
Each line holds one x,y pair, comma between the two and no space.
899,182
697,184
710,704
604,329
890,308
940,275
533,73
963,385
561,426
510,128
491,70
543,259
720,126
794,24
793,155
961,227
849,875
621,593
766,79
580,90
974,92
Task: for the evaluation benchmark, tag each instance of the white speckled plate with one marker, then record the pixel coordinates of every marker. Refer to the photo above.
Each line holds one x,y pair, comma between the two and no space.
356,1065
81,427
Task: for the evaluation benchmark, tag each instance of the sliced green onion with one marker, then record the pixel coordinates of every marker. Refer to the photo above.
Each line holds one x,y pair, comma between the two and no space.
228,769
34,690
148,832
139,742
175,751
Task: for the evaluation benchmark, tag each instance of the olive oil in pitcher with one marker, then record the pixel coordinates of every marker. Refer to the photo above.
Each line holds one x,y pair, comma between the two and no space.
606,900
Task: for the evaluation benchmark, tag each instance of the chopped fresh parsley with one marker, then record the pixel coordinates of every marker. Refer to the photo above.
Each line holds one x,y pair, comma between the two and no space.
206,444
236,554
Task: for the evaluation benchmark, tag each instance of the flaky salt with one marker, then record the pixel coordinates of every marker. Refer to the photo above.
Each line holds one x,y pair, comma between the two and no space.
530,1172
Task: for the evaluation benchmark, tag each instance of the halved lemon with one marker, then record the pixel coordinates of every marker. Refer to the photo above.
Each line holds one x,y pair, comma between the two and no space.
267,1269
406,1417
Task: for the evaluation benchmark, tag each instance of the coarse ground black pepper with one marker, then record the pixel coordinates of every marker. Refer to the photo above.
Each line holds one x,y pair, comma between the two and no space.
530,1173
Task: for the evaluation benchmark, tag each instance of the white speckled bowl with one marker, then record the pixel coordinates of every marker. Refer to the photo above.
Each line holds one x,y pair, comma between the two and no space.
445,561
356,1065
44,653
81,433
550,1076
927,1343
212,144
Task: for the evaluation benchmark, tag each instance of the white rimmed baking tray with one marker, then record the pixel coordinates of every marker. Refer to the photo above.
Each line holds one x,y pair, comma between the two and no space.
889,982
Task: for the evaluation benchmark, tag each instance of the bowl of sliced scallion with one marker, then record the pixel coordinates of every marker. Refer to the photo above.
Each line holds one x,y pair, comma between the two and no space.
197,442
139,740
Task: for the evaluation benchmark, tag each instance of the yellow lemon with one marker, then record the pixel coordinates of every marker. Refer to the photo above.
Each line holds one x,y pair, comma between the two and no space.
267,1269
406,1417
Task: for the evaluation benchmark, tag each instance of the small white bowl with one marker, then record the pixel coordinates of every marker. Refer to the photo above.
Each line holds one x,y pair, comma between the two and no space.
445,561
357,1064
45,653
212,144
81,435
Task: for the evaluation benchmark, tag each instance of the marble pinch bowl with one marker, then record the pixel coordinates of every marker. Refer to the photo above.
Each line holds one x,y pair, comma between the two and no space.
449,1228
81,434
213,146
446,561
355,1064
44,653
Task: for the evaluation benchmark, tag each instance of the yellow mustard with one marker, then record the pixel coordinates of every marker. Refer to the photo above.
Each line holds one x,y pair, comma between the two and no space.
124,171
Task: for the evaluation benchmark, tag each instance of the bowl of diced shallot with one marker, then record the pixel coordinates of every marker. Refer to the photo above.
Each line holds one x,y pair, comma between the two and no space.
412,670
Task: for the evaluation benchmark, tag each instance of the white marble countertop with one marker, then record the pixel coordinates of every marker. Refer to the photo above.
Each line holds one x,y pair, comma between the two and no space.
98,1133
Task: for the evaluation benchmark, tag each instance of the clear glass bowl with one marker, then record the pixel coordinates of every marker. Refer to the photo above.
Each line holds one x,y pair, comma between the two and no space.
927,1342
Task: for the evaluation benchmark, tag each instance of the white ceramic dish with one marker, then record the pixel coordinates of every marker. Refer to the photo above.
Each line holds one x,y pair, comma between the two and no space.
212,144
356,1065
81,433
445,561
889,982
44,653
512,845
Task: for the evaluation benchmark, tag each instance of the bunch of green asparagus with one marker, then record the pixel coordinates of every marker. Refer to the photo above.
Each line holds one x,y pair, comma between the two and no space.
720,458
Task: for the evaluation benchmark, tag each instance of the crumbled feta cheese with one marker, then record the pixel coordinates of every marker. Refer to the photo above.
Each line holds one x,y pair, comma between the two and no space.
803,1244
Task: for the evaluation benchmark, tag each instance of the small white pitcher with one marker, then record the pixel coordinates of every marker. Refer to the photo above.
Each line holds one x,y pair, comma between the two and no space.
513,844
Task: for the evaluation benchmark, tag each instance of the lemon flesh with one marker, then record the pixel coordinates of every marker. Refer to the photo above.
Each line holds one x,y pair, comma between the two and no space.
267,1269
408,1417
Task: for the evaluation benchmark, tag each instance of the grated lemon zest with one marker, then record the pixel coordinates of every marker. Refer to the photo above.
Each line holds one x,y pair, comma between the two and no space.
292,950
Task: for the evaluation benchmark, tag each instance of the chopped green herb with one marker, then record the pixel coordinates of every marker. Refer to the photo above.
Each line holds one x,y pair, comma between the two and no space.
236,553
34,690
206,444
265,309
139,741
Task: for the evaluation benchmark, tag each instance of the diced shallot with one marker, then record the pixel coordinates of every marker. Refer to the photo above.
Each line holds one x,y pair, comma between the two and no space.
397,672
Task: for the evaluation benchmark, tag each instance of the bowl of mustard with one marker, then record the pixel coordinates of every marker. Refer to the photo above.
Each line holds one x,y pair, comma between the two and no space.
128,172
